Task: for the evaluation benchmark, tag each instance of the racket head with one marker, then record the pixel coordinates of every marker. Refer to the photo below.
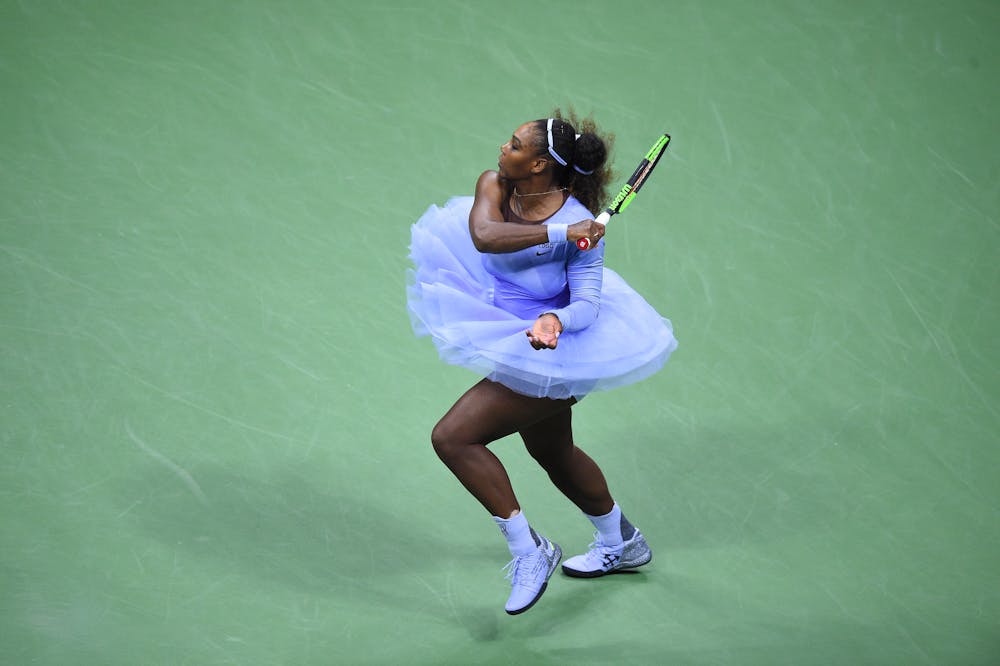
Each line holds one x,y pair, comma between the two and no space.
643,171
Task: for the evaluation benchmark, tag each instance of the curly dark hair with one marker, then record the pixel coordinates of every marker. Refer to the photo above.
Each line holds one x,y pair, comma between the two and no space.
588,153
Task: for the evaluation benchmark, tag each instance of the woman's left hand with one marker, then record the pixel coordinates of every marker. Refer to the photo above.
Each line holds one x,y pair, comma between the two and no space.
544,334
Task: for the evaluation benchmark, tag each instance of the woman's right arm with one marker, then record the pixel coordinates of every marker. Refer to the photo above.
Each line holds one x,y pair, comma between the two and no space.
490,234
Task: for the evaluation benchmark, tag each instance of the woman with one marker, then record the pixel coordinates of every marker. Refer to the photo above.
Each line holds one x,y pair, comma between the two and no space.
502,288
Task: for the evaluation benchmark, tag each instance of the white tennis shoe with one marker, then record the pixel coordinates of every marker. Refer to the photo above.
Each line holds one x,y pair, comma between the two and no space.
529,575
602,559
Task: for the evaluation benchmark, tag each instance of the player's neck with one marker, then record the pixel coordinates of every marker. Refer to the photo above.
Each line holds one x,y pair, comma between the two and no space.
536,205
534,190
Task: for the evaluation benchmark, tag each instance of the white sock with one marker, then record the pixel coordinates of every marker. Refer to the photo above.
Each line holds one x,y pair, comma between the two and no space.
520,537
609,526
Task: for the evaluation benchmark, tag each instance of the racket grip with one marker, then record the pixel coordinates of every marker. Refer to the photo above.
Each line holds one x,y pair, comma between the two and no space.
584,243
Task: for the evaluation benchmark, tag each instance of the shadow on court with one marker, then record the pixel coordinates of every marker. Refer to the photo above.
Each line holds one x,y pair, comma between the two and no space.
285,532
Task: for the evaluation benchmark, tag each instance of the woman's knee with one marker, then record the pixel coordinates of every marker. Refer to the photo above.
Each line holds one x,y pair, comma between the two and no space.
442,440
448,440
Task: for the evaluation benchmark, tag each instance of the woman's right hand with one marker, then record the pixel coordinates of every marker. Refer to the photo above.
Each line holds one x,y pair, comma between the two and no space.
544,334
589,229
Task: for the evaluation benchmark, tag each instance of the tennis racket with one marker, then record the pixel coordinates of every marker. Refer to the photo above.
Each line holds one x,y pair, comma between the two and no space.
631,188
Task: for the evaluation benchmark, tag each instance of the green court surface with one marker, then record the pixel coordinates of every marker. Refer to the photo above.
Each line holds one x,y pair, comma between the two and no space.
215,419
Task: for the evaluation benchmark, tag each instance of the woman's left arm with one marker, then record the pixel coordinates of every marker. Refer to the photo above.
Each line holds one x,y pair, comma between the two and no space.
585,275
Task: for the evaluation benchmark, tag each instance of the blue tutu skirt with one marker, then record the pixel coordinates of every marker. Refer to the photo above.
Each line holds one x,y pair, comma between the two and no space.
449,296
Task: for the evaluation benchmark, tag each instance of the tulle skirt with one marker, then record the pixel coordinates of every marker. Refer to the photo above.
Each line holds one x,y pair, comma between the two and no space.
450,298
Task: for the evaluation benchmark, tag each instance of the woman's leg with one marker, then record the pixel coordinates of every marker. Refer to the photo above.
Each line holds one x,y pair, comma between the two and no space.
485,413
619,545
550,443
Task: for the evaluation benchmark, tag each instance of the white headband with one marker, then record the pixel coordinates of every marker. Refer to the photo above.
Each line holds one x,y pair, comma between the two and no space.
552,149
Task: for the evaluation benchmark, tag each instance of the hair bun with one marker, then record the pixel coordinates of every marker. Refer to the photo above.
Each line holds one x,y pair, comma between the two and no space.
589,153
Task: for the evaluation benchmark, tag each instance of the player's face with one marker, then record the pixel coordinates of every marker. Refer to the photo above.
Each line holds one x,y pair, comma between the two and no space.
519,157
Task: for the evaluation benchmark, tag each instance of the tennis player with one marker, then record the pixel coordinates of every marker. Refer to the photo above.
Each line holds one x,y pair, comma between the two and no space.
501,287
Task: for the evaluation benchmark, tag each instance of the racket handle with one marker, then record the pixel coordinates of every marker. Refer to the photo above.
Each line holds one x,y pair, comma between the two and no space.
584,243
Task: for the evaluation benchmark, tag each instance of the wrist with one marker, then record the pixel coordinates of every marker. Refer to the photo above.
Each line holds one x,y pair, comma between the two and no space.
554,316
557,232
